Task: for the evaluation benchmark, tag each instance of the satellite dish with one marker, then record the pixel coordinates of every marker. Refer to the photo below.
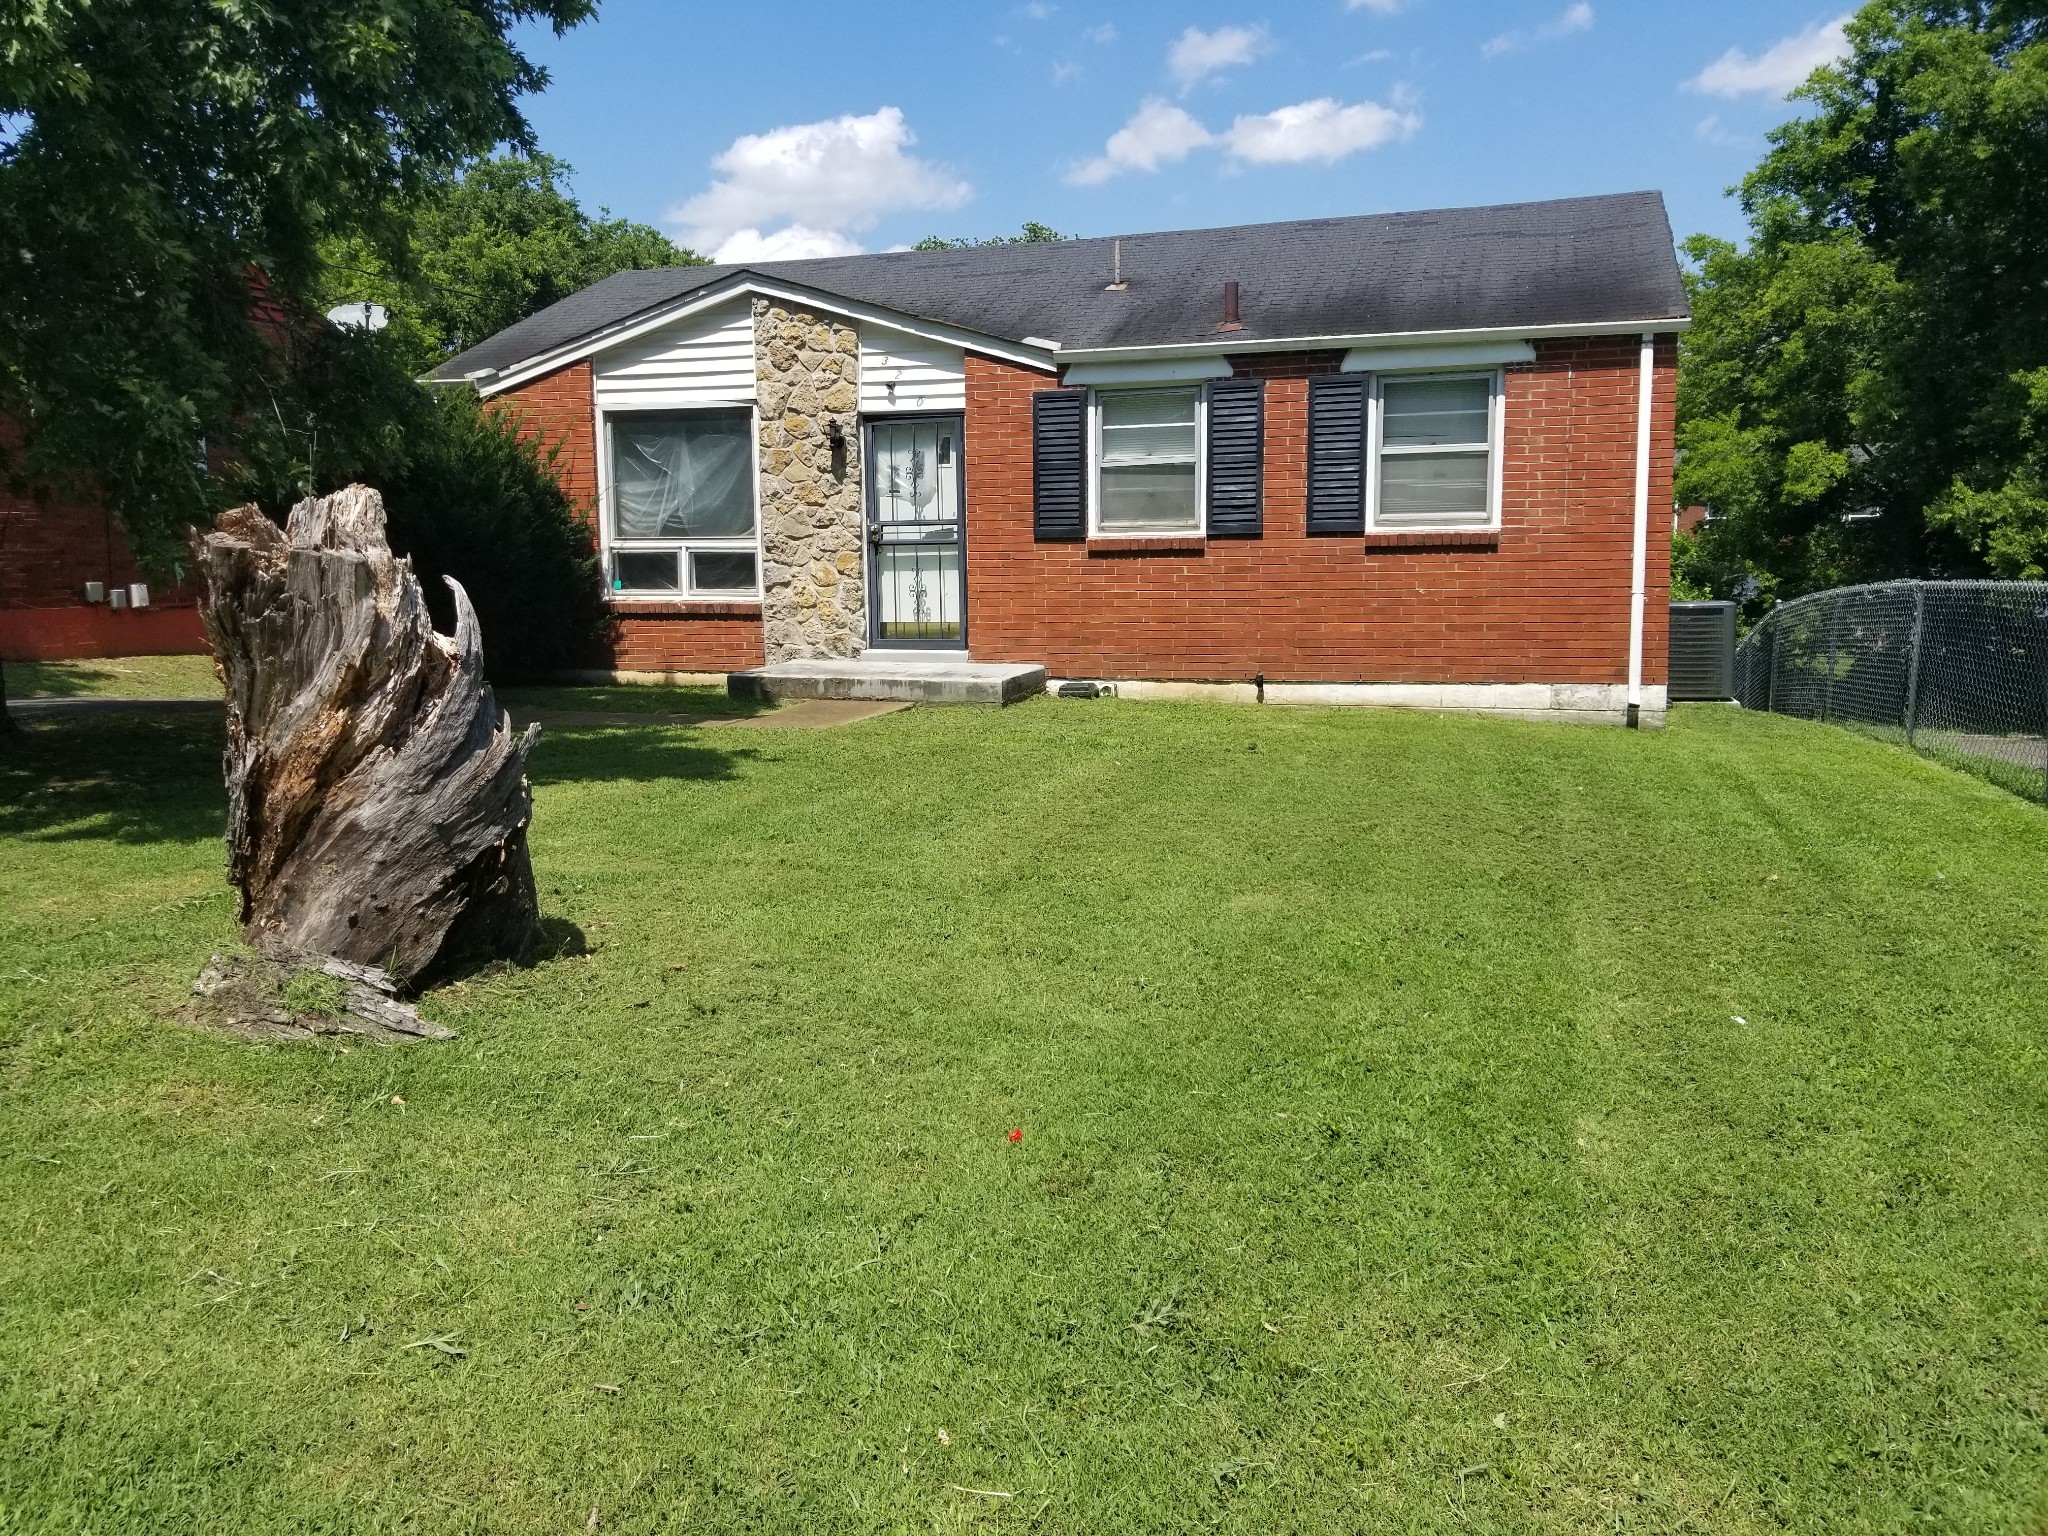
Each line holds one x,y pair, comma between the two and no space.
360,317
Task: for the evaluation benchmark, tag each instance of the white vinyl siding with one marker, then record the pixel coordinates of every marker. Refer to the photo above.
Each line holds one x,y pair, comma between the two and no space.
901,372
707,359
1435,452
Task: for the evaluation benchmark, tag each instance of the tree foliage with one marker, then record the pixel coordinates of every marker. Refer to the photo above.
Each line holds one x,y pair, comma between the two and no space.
169,173
1861,392
486,248
1033,233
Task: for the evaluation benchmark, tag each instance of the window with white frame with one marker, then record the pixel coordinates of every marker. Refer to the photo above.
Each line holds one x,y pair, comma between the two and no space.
1148,461
1436,451
681,520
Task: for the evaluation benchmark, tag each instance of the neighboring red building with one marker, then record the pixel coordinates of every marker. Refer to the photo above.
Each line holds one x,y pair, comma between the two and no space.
1407,458
64,568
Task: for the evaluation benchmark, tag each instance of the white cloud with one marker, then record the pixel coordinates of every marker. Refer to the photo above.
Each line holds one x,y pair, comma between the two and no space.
1573,18
1383,7
1064,70
1780,67
1196,55
792,242
1106,33
1158,133
1708,130
1322,129
822,182
1374,56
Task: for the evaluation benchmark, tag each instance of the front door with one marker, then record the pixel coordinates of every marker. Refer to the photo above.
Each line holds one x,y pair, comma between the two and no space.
917,539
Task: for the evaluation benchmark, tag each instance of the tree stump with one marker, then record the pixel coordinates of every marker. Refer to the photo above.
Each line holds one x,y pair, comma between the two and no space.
377,798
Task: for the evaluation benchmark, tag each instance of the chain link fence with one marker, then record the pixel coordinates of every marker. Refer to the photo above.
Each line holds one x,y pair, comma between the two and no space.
1955,669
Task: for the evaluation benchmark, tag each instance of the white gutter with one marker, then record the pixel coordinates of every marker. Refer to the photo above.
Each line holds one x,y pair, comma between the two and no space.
1663,325
1639,553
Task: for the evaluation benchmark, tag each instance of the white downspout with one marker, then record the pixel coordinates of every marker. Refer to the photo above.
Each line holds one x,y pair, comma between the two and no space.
1639,555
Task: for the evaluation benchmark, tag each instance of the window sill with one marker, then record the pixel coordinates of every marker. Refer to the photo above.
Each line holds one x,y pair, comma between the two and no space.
1148,544
684,608
1442,538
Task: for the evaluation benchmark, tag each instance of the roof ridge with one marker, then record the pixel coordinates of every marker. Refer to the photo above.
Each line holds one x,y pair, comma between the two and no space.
1596,258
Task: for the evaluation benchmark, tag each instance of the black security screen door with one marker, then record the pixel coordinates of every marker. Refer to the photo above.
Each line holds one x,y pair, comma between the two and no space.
916,539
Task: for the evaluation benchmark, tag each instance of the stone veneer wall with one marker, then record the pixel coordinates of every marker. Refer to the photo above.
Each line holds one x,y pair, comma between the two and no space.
808,376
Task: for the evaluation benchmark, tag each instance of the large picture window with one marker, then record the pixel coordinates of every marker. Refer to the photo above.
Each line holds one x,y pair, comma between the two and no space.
1434,459
681,514
1148,461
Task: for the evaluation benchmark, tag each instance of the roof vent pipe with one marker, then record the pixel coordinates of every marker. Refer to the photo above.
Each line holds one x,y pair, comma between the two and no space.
1230,320
1116,278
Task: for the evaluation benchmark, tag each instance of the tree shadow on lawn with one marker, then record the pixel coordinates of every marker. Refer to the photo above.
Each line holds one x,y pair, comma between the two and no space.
598,754
32,680
140,777
131,778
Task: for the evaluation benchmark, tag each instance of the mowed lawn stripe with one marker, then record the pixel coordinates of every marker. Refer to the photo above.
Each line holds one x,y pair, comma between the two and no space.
1392,1156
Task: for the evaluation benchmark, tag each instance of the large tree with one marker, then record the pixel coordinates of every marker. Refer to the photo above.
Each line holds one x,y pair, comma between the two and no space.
486,248
169,173
1862,393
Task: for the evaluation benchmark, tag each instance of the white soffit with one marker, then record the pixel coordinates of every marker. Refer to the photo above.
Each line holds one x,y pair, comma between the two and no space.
1469,354
1178,370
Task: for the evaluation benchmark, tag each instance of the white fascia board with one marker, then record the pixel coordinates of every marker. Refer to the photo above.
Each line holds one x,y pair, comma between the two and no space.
1163,371
630,330
1664,326
1469,354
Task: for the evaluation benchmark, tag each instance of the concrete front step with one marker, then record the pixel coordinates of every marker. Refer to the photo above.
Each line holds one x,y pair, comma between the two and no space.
912,679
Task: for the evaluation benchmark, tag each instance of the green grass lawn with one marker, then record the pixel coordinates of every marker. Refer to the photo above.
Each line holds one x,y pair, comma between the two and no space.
132,677
1428,1124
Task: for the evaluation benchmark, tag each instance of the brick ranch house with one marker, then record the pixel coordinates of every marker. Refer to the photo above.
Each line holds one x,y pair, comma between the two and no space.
1407,458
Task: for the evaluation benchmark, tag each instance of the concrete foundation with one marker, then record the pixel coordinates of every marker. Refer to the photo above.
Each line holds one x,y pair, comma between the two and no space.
1586,703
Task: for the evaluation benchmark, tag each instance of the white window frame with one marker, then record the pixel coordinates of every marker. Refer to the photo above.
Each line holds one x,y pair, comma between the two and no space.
1496,416
682,548
1196,529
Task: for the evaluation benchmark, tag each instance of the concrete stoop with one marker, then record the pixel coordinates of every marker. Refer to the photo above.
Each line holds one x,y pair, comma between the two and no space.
907,679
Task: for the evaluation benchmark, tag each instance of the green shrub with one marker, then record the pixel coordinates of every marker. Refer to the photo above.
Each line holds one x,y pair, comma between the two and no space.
466,496
477,501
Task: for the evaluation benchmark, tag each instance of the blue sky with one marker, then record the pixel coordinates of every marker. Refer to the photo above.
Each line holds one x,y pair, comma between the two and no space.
810,129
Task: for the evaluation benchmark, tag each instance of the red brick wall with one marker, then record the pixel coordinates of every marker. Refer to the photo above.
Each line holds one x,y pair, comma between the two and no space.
1550,603
559,410
81,630
47,555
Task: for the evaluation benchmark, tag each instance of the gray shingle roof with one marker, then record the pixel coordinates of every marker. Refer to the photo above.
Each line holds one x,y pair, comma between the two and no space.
1582,260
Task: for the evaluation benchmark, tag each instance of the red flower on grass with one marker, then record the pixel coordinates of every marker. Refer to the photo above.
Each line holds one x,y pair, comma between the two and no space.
1016,1135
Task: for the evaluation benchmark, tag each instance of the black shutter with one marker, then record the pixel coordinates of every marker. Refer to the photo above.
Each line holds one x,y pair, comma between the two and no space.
1336,453
1059,464
1237,457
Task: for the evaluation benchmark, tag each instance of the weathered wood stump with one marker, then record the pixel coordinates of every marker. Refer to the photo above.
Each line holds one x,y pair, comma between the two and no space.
377,798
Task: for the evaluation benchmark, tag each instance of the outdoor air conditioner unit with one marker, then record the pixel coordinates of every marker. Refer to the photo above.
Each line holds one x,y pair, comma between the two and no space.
1702,652
117,599
95,591
138,596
